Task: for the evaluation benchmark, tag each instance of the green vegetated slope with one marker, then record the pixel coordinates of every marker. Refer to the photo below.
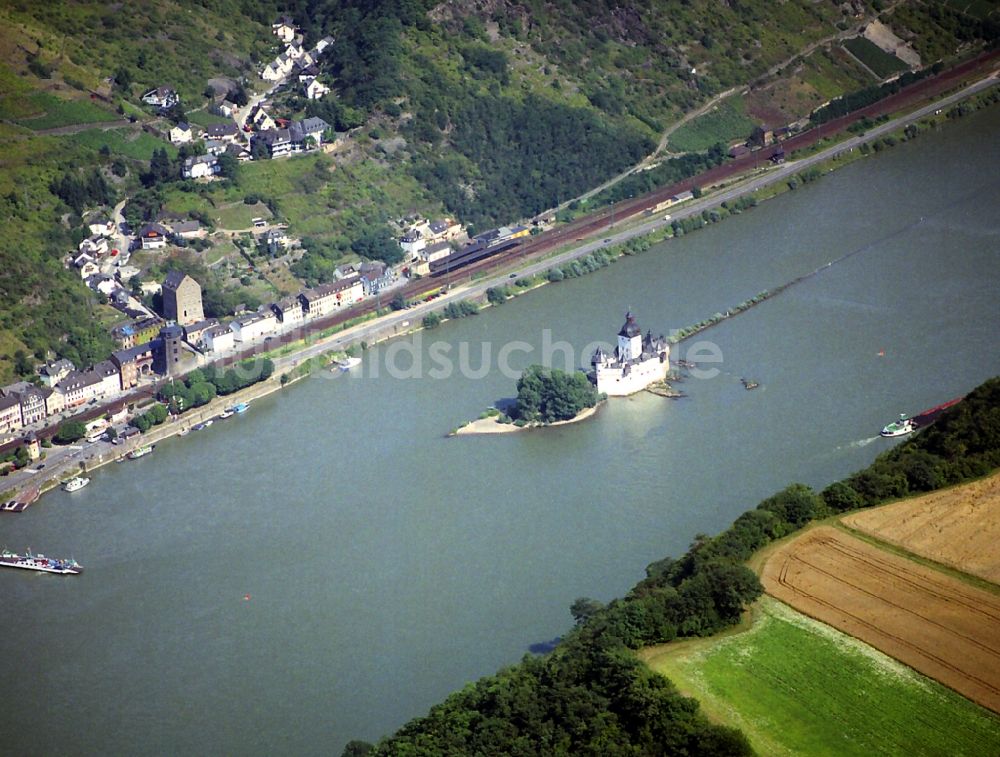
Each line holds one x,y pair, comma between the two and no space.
489,112
592,695
725,123
881,63
798,687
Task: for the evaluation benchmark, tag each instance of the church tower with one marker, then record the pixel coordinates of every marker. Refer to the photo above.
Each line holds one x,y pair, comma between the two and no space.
629,340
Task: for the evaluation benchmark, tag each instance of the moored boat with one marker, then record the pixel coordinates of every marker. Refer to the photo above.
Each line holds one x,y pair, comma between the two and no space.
140,452
39,562
348,362
227,413
241,408
76,483
902,427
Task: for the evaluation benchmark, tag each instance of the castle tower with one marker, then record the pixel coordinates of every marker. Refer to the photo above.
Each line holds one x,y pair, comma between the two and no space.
182,299
629,340
173,349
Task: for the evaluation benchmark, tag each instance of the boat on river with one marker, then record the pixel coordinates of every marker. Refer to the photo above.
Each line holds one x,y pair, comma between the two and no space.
347,363
241,408
227,413
902,427
75,484
140,452
39,562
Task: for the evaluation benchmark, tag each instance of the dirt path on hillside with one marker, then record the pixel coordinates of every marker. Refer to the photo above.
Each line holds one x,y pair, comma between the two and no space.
932,622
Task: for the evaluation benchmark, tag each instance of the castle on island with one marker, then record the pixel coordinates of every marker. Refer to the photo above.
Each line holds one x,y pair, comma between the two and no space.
637,361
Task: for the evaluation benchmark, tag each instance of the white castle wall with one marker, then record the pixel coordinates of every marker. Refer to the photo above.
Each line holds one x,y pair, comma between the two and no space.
612,382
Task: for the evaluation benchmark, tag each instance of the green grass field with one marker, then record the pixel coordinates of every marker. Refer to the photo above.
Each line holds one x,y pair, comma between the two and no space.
873,56
726,123
40,110
126,142
799,687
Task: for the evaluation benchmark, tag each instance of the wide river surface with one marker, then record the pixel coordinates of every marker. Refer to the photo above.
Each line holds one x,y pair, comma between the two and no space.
329,565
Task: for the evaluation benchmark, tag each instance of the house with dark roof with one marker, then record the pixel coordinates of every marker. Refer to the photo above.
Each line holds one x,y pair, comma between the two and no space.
10,416
223,132
218,339
135,362
137,332
289,311
52,373
193,332
326,298
277,141
250,327
153,236
188,229
200,166
375,276
79,387
181,133
226,108
161,97
30,399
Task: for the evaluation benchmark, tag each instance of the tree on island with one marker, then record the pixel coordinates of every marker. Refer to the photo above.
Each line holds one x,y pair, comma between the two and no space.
553,395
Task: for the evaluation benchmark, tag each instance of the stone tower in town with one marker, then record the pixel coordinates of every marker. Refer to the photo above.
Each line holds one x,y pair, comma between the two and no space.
173,350
182,299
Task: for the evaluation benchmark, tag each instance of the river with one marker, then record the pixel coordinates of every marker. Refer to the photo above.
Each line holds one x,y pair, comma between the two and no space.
329,565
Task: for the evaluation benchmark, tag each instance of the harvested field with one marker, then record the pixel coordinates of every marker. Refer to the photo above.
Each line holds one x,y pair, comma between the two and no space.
958,527
936,624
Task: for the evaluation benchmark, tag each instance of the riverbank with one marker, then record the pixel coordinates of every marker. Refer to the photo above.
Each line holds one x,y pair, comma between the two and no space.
173,426
492,424
643,234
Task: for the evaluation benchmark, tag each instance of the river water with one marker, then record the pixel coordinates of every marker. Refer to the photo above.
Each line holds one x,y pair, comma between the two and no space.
329,565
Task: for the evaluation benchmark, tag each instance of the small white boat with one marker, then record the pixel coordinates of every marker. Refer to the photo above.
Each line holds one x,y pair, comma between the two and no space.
184,432
75,484
348,362
140,452
902,427
227,413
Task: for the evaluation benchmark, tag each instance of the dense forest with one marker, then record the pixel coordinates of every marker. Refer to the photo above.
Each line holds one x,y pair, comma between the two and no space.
592,696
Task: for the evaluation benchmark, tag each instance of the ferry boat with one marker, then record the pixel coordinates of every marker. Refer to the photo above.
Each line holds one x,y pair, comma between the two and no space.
140,452
39,562
75,484
241,408
902,427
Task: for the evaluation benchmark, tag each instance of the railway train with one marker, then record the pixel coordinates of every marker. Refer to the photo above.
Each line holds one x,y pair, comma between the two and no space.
483,246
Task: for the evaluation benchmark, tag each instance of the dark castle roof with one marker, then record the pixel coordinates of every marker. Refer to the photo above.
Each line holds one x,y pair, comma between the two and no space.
631,328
